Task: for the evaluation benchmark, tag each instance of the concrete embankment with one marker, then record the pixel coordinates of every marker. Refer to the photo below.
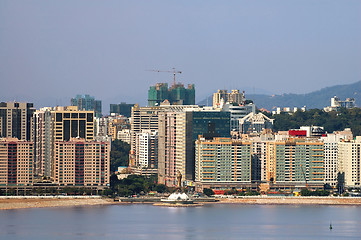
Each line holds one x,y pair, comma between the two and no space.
295,200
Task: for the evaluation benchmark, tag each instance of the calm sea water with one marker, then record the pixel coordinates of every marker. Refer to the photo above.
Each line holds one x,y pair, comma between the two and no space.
216,221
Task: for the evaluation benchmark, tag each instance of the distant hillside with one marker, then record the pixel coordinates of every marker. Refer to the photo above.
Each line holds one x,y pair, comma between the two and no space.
318,99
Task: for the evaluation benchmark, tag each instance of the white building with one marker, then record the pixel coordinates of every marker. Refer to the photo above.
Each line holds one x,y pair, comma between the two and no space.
147,149
124,135
336,104
101,126
288,110
331,157
255,123
237,113
349,161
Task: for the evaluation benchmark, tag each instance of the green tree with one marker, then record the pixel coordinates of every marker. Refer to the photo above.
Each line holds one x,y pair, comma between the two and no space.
209,192
331,121
305,192
133,184
119,154
161,188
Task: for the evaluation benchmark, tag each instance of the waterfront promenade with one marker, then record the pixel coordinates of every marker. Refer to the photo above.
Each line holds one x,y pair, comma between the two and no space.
18,202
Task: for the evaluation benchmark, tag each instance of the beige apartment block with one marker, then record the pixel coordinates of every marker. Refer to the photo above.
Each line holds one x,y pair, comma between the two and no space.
69,122
16,162
82,163
58,124
235,96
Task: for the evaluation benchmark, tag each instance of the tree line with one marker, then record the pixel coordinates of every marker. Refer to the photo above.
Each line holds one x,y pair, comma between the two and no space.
331,121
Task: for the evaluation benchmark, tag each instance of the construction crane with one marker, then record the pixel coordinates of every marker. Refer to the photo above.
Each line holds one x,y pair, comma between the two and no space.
173,71
304,177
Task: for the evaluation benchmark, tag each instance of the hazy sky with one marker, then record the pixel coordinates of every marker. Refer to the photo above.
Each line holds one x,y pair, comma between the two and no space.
52,50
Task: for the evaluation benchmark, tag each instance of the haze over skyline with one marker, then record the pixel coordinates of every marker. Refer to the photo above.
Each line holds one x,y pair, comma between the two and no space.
52,50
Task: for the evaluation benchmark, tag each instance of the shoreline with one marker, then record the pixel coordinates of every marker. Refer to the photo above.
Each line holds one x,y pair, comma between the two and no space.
8,203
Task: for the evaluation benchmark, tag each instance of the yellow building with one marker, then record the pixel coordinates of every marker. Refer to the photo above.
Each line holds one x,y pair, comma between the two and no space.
69,122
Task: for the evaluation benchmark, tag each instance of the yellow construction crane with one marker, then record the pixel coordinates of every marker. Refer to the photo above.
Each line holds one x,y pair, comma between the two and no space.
173,71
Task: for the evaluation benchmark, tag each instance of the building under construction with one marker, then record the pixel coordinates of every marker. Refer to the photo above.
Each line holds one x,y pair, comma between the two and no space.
176,95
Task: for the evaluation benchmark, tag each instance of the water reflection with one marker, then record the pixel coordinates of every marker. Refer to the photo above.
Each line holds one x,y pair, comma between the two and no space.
216,221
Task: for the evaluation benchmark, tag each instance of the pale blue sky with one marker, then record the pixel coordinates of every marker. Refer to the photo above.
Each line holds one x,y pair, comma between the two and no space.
52,50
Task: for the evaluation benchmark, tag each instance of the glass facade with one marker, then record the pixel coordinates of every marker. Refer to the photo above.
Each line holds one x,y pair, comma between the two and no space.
215,123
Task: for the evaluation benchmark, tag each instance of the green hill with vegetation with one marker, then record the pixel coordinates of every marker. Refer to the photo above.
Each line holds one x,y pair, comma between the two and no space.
331,121
317,99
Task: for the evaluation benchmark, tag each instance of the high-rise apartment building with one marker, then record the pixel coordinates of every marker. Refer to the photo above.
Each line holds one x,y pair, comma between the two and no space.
43,141
295,161
175,147
222,160
16,162
143,118
176,94
16,120
147,149
82,163
235,96
147,118
69,122
58,124
349,161
331,142
88,103
178,131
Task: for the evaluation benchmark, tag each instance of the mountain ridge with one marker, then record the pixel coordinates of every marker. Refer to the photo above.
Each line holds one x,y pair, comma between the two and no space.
316,99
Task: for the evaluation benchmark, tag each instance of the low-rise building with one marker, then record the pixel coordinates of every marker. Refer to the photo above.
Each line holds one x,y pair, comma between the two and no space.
255,123
124,135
